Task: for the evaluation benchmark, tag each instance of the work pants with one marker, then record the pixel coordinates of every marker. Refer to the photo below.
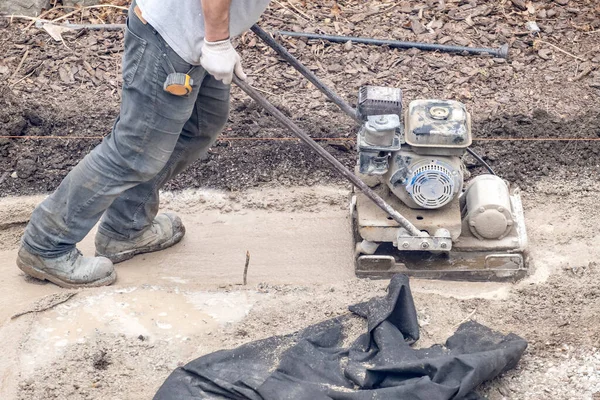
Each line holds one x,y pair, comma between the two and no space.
155,137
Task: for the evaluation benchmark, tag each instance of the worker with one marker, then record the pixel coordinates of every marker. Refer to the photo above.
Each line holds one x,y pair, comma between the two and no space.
178,66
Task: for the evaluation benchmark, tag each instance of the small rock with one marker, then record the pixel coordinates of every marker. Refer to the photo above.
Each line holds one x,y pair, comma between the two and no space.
33,118
18,127
547,28
25,168
595,85
417,27
465,94
504,391
545,54
348,45
532,26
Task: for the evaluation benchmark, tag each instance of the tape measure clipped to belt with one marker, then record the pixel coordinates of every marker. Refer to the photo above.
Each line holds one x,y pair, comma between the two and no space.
178,84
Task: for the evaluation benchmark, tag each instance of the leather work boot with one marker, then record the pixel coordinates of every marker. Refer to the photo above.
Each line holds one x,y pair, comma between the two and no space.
166,230
69,271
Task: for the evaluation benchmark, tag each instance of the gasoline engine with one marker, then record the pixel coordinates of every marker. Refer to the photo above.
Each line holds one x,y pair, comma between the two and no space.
473,228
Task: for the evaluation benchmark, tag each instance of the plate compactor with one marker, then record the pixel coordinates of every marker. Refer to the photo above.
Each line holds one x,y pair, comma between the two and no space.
473,229
415,209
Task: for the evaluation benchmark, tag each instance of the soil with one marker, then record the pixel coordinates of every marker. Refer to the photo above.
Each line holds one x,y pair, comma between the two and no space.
548,88
123,341
119,342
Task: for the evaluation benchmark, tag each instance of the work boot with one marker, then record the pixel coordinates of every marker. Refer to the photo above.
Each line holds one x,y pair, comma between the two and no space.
69,271
165,231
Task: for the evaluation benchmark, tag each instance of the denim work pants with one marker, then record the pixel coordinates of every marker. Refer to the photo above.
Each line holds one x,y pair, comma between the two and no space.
156,136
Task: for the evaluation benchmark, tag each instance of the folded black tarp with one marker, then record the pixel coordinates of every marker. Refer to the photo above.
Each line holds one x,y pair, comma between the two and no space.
379,365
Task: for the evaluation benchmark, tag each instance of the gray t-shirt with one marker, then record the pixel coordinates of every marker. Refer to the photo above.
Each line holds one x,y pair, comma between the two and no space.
181,24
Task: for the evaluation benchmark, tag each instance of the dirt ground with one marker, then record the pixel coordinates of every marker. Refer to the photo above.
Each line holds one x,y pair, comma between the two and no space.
548,88
171,307
268,195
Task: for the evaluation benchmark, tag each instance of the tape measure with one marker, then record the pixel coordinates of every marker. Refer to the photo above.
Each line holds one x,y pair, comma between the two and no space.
178,84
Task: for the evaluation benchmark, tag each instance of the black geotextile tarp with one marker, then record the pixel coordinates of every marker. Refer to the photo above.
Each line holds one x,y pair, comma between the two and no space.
380,364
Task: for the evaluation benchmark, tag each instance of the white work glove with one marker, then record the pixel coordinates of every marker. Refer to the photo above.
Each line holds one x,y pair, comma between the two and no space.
221,61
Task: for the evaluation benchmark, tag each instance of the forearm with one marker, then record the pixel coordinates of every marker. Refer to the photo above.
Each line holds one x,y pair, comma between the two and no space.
216,19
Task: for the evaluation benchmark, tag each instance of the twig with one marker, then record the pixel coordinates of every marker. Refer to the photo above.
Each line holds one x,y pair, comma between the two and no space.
465,320
261,69
561,50
385,10
583,74
88,7
266,92
83,26
246,268
80,85
13,16
300,13
12,85
20,64
4,176
39,17
55,299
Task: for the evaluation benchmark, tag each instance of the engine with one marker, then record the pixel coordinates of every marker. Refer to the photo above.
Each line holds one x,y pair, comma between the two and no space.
420,159
412,158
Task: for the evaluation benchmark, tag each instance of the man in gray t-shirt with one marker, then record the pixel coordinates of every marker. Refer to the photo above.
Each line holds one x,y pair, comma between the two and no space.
177,69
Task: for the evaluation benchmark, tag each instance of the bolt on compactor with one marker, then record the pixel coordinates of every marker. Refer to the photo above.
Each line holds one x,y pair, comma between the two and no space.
472,229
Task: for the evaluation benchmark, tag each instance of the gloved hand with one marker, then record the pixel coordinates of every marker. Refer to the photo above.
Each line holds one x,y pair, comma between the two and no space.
221,61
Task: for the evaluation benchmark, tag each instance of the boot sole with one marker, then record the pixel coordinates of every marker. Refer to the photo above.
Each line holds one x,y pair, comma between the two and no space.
44,276
129,254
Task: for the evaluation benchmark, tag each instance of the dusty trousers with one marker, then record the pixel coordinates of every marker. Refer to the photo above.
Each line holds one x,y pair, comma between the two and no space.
155,137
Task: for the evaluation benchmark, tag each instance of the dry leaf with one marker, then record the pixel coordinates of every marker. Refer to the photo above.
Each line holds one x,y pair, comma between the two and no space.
55,31
336,11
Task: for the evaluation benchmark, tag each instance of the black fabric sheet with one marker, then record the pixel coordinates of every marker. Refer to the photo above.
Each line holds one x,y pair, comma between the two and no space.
380,364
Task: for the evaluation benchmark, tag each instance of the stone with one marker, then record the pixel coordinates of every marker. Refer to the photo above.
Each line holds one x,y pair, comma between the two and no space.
31,8
25,168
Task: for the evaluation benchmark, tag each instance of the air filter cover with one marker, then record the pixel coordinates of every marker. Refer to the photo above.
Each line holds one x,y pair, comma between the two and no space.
379,100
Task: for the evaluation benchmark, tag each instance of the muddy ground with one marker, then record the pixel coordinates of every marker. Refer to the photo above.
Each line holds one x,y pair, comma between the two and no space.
549,88
121,342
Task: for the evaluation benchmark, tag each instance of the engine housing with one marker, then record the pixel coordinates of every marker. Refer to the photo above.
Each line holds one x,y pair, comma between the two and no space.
419,158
